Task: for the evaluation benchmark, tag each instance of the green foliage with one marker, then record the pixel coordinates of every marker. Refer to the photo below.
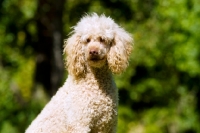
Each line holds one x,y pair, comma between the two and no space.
163,85
157,94
17,66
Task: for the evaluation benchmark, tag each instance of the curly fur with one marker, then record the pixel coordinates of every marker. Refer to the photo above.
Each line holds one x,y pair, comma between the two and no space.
87,102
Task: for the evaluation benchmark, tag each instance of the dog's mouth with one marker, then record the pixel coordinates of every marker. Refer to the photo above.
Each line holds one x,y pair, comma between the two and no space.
96,61
95,58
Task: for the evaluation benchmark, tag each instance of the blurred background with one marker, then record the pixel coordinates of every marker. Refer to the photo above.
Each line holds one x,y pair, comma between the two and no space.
159,92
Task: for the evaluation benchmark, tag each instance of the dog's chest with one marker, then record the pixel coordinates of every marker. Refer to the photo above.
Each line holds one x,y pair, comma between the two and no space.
97,100
101,106
99,97
92,103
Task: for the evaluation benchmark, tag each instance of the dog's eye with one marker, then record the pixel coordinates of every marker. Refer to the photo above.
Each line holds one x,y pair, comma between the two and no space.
88,40
101,39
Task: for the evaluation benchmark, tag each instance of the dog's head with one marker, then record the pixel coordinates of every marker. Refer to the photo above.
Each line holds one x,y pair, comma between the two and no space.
97,41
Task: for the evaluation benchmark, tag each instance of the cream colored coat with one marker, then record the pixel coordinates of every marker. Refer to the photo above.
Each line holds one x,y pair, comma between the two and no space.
87,102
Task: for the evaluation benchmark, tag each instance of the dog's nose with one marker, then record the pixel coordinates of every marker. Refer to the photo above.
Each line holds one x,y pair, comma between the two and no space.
94,52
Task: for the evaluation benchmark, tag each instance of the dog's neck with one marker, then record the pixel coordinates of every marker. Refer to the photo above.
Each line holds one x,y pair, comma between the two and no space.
101,77
99,72
102,74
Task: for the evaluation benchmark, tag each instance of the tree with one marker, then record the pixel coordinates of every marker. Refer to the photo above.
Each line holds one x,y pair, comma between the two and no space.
49,62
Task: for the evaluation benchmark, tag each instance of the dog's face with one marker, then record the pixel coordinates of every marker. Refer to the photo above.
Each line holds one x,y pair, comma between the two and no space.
97,41
95,50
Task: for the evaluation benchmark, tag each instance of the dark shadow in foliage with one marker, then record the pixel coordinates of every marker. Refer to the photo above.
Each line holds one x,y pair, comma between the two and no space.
146,7
124,97
150,98
78,10
121,9
141,73
190,131
124,10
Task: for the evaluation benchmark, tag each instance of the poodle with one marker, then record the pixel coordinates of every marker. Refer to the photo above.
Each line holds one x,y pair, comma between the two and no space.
88,100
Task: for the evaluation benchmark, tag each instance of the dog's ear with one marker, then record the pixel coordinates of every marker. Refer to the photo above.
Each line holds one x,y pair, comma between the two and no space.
75,61
120,51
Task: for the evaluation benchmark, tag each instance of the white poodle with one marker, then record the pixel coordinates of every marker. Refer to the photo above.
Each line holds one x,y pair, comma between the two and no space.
87,102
